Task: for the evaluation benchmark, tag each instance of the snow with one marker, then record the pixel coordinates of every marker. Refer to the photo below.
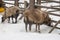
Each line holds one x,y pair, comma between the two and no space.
9,31
20,27
28,36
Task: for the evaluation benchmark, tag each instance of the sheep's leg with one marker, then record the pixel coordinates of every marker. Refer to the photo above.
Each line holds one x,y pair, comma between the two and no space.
30,26
16,16
26,26
15,19
12,20
8,19
26,23
38,28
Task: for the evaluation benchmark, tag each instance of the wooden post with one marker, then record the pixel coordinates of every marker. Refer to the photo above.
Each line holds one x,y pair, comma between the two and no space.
2,3
54,26
16,3
32,4
39,3
25,4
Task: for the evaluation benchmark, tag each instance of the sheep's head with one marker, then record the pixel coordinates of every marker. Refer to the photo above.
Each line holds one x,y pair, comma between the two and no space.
48,22
17,9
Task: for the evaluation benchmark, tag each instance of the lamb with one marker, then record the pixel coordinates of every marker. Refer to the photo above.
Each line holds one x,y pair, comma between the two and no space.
37,17
13,12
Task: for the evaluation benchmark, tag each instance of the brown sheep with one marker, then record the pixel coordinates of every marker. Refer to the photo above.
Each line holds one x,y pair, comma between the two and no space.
13,12
37,17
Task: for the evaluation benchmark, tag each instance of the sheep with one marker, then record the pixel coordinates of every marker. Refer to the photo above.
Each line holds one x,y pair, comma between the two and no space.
13,12
37,17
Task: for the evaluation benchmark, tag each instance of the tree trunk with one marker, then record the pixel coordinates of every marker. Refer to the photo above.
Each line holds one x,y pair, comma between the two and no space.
39,3
16,3
32,4
2,3
25,4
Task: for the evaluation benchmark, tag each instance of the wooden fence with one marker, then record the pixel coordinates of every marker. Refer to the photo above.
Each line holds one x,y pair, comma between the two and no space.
52,7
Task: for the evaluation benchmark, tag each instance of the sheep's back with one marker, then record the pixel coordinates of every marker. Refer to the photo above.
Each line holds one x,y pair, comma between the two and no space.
34,15
11,11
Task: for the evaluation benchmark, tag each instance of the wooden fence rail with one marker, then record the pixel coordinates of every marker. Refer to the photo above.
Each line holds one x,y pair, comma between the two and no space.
38,6
15,1
48,7
48,13
8,3
51,1
53,11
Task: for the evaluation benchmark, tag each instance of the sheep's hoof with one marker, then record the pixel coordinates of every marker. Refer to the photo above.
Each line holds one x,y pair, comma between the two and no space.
35,31
50,25
26,30
13,22
8,22
30,30
39,31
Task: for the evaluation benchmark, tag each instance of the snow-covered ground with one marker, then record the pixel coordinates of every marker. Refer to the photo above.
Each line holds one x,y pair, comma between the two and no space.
9,31
29,36
20,27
